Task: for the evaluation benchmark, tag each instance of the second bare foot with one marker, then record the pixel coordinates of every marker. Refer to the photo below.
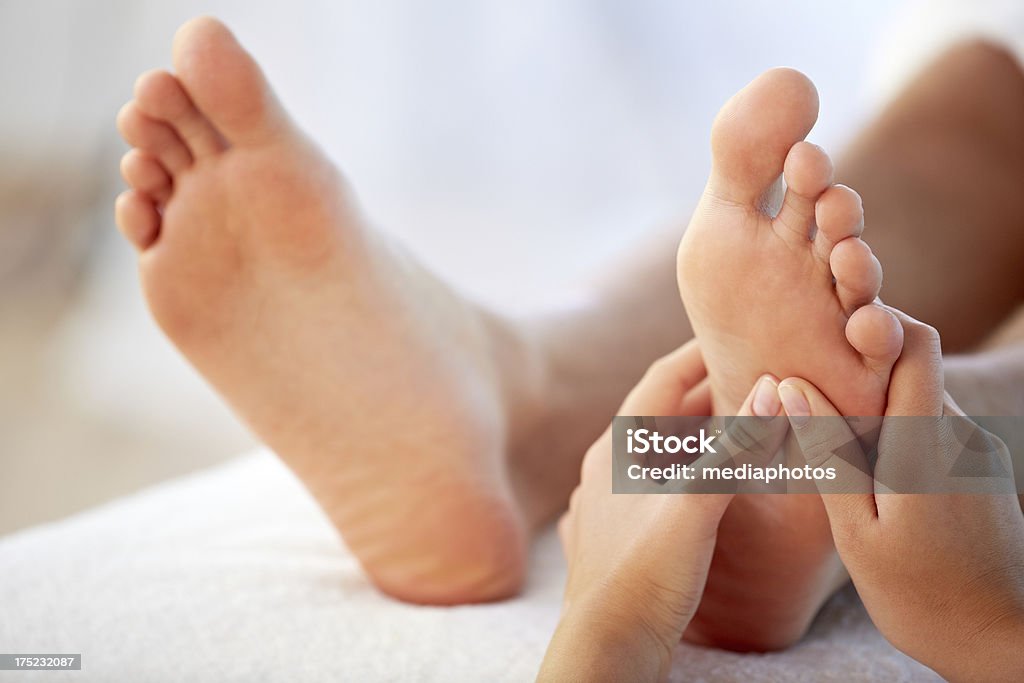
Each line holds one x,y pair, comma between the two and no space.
376,384
786,293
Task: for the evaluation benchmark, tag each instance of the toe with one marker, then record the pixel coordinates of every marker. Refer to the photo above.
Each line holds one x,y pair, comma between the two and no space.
754,132
154,137
839,214
877,335
808,172
857,272
225,83
137,218
160,96
145,174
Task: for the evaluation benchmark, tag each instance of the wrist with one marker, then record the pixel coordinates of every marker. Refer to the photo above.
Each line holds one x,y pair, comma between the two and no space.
993,653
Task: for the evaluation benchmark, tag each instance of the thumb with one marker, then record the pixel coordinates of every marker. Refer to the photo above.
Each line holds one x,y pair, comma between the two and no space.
828,442
916,385
758,430
754,435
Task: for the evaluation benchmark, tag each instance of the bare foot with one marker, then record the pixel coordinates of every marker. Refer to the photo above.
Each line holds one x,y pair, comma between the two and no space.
779,294
376,384
761,294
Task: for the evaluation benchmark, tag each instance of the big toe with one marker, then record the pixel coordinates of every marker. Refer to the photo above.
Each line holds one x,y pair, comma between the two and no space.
226,83
755,130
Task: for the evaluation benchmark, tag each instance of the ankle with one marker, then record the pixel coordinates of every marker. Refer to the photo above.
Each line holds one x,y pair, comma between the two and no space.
527,386
556,400
518,374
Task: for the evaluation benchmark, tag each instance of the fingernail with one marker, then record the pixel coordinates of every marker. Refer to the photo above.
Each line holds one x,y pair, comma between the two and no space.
766,398
795,403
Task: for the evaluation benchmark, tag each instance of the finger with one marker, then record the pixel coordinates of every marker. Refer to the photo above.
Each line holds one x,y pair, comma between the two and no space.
960,456
666,383
597,462
698,401
828,442
755,434
565,534
912,452
951,407
916,384
757,431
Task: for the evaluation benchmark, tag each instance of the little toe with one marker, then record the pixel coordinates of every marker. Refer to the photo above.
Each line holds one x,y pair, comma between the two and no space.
839,214
137,218
155,137
877,335
808,172
754,132
857,272
160,96
145,174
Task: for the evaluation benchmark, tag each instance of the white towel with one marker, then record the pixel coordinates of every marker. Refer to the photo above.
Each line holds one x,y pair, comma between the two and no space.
234,575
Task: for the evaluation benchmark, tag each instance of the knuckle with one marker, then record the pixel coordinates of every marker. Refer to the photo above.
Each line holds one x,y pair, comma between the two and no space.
741,436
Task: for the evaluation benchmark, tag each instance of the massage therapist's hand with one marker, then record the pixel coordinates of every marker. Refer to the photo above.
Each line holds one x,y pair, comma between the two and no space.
942,575
637,563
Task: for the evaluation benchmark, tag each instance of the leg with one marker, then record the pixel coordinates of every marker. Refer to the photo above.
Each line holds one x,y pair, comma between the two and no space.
990,381
942,166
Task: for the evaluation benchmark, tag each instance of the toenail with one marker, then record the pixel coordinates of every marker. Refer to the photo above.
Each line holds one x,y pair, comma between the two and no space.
795,403
766,398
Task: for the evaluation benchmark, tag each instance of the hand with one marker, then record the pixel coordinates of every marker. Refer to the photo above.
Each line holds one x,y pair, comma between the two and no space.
638,562
942,575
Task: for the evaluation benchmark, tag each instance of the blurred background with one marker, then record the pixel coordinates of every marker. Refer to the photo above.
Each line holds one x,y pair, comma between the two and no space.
513,146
